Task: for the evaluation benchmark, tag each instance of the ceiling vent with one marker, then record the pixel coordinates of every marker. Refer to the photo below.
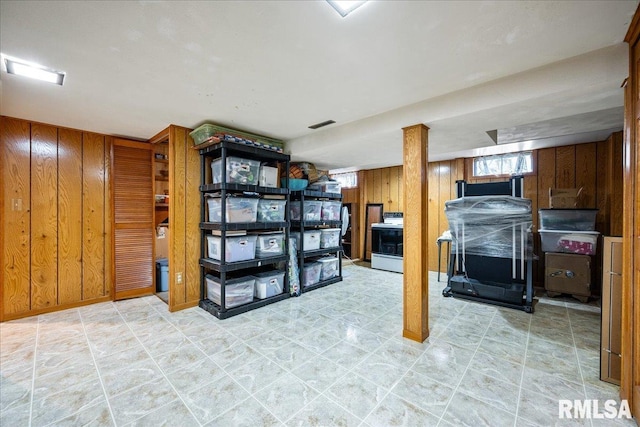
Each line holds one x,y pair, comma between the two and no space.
322,124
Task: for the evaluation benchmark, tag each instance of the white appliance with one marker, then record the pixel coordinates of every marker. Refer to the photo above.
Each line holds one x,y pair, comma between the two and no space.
386,243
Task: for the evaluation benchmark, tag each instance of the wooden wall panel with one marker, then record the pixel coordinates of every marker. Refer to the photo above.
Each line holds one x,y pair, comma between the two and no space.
566,167
94,185
15,147
586,171
395,189
433,208
70,202
177,216
193,201
603,187
616,205
546,175
44,218
109,249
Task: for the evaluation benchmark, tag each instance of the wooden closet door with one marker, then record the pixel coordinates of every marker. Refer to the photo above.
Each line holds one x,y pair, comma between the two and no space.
133,218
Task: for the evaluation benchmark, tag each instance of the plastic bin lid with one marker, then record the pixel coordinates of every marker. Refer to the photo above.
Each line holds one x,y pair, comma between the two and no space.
269,273
162,261
569,209
542,230
231,281
327,259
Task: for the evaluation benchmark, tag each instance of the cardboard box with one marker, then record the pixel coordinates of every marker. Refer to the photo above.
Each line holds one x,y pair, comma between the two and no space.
565,198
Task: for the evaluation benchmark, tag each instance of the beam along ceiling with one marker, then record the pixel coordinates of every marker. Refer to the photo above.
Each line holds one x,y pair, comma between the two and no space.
546,71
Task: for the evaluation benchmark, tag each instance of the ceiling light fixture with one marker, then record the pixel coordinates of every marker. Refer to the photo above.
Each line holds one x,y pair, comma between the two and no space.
322,124
20,67
345,7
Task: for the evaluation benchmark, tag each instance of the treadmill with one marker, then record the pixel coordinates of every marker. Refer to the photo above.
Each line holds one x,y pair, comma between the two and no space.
492,246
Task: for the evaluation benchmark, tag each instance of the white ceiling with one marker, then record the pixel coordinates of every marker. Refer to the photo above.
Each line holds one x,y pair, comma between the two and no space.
546,72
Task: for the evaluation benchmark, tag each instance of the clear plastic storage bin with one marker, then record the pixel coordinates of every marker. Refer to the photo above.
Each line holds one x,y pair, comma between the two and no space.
269,283
268,177
202,133
311,240
237,248
329,267
239,171
331,210
238,209
270,210
311,274
312,211
269,244
330,187
569,241
568,219
329,237
237,291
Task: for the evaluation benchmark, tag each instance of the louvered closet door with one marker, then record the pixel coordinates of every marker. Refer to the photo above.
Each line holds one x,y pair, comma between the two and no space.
133,218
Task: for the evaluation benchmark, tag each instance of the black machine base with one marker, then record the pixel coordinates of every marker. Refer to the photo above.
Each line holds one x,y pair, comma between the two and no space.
511,295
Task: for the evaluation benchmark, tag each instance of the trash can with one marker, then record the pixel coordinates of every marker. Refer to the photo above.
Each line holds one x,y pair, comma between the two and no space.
162,275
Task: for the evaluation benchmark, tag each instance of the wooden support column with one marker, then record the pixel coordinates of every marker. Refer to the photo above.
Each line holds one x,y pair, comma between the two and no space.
416,258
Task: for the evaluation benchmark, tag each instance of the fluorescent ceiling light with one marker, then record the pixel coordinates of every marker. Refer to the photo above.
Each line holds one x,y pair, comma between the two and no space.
34,71
345,7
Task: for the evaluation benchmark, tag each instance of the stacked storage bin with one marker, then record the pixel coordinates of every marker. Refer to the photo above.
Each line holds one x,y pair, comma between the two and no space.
244,228
569,240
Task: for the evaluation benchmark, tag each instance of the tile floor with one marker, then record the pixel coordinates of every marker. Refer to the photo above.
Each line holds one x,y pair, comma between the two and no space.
334,356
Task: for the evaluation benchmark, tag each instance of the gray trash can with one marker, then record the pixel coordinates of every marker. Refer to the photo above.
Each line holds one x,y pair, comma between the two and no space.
162,275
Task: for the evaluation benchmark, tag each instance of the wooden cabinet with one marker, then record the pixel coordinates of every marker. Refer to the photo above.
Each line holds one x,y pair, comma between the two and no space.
161,181
610,348
630,376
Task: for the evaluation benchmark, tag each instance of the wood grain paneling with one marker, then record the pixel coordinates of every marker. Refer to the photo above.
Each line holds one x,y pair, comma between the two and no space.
70,202
94,188
566,167
546,175
586,171
630,377
395,189
416,249
15,149
433,178
589,167
44,217
615,175
603,187
177,215
133,218
192,221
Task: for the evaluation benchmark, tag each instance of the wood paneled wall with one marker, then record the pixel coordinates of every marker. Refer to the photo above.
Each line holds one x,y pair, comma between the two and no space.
184,219
595,166
55,245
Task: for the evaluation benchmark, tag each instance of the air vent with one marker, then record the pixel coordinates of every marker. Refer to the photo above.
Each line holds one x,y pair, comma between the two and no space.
322,124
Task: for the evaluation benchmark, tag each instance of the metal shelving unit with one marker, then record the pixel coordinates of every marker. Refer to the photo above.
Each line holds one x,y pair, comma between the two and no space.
222,150
302,225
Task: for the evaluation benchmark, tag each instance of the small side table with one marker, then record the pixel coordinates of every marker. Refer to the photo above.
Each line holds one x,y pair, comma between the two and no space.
446,240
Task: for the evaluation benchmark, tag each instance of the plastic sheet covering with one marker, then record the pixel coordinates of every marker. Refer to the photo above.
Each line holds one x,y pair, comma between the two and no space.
494,226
